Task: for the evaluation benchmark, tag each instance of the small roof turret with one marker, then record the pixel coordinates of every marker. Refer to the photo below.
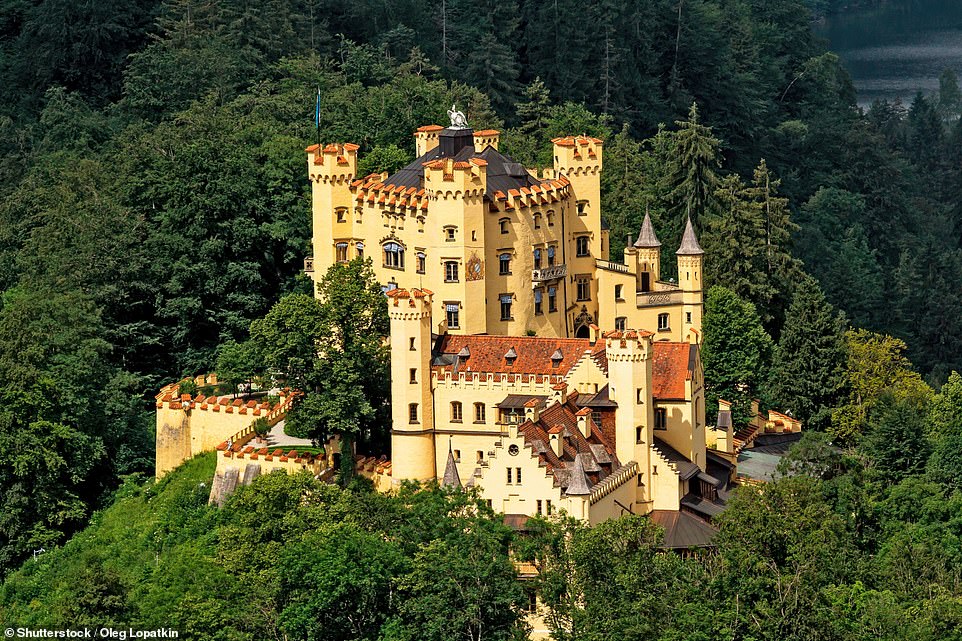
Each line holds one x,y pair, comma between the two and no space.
451,478
689,243
646,237
578,484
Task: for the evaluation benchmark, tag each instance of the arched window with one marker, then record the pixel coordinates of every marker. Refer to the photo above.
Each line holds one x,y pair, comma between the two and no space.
393,256
421,262
537,259
504,264
456,412
551,252
360,249
537,221
340,252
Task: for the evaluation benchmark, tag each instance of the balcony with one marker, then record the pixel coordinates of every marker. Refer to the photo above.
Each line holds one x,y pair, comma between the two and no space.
309,265
549,273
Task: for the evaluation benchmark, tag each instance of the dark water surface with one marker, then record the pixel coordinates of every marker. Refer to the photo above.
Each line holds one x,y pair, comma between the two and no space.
895,52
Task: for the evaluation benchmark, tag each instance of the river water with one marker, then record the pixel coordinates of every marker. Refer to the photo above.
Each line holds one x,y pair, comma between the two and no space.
894,52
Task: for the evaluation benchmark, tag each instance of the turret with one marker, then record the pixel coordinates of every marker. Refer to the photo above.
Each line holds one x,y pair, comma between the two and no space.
331,170
579,158
412,436
629,355
691,261
646,253
426,138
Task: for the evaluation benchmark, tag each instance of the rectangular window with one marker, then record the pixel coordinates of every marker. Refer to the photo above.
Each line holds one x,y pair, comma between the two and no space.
340,251
538,504
537,259
457,456
639,434
551,253
661,418
506,306
517,475
618,292
505,225
582,207
538,295
688,317
359,247
456,412
663,322
413,413
414,375
453,315
413,348
537,221
504,264
552,299
548,507
421,262
449,234
620,323
582,246
584,288
451,271
479,412
480,455
393,256
341,214
509,481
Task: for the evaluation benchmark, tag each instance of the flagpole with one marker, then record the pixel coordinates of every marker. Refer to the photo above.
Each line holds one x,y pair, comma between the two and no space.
317,119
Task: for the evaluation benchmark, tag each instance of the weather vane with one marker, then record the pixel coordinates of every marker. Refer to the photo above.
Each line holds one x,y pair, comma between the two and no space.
458,121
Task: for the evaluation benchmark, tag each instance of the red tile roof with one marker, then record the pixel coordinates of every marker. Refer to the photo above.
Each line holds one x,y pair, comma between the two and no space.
534,354
670,370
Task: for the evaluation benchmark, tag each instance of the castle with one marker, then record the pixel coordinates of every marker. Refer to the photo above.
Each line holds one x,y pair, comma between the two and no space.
498,284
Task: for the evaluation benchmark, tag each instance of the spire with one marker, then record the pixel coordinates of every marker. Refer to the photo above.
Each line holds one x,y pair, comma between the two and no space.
578,484
646,237
451,478
689,244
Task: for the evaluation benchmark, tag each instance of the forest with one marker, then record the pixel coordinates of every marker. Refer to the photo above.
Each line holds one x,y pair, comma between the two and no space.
154,204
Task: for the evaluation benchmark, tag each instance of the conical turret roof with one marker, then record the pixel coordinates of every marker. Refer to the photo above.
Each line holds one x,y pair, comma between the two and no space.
646,237
578,484
689,243
451,478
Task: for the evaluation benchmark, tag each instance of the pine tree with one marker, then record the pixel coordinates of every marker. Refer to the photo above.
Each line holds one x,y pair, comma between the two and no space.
693,176
734,237
808,371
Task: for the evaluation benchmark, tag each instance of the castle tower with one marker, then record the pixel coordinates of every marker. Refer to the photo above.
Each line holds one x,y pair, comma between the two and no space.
647,256
456,190
331,170
691,261
412,436
629,377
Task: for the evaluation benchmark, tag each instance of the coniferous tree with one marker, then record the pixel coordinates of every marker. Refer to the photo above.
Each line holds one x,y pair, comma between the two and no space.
808,376
693,175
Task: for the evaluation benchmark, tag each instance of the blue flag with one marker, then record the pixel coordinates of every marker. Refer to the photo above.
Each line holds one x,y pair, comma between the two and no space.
317,109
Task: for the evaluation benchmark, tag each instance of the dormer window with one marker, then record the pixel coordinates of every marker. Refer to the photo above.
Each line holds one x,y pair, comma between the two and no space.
556,358
510,356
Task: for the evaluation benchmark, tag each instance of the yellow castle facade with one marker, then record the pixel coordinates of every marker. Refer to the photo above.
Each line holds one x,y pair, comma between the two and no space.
506,251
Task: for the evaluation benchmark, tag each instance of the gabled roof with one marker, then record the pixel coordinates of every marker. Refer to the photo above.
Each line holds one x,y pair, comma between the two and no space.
487,354
683,530
686,469
673,364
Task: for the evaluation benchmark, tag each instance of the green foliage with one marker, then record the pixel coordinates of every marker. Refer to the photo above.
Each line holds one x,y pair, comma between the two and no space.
736,353
808,366
382,159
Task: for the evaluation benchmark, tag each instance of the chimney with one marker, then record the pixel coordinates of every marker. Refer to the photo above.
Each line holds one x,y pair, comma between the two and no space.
584,421
560,392
556,434
532,410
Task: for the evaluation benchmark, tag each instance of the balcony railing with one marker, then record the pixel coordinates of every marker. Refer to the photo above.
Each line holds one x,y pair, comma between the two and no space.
309,265
614,267
657,298
549,273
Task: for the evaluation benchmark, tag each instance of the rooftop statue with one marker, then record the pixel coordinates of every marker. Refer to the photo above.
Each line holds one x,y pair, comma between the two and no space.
458,121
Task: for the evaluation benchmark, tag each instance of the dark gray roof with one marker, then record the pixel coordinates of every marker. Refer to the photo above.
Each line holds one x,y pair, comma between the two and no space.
502,172
701,506
451,478
689,243
686,469
578,484
646,237
512,401
724,420
601,399
683,530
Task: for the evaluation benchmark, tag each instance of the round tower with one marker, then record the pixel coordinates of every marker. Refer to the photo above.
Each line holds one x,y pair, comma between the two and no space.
412,434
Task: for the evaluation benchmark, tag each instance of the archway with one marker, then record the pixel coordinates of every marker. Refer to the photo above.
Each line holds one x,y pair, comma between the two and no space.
583,332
